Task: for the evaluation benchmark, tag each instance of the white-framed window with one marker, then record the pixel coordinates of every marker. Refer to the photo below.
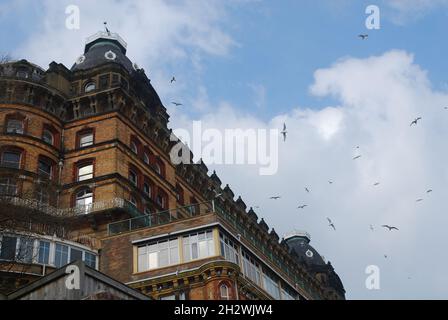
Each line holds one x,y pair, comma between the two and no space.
147,189
84,199
44,252
229,249
224,292
251,268
25,249
86,139
61,255
85,172
270,284
158,254
198,245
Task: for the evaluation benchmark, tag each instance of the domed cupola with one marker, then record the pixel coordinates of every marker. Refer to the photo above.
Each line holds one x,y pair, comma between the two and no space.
299,242
102,48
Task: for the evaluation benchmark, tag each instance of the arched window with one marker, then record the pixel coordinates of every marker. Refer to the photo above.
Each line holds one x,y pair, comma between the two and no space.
84,200
89,87
146,158
159,167
147,187
47,136
224,292
50,135
11,158
134,147
133,177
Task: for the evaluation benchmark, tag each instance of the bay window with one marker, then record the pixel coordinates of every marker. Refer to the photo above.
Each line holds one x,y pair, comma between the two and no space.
198,246
158,255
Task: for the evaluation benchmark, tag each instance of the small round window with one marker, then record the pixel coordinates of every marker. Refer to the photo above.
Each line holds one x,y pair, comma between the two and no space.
89,87
110,55
309,253
81,59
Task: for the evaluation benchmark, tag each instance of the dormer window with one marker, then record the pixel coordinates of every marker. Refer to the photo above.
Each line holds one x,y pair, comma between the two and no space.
22,74
89,87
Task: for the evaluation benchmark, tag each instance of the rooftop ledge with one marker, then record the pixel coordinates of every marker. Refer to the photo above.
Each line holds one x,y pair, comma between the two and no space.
106,35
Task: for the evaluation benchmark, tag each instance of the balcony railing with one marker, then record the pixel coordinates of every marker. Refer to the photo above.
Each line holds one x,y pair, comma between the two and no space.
33,204
160,218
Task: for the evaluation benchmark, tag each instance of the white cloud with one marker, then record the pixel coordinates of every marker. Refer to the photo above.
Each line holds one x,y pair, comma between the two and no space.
411,10
378,98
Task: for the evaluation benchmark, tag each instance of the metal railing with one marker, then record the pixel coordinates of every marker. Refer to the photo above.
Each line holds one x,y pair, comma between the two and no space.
160,218
33,204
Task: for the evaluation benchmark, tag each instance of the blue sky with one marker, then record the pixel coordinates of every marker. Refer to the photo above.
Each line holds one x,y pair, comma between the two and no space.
246,63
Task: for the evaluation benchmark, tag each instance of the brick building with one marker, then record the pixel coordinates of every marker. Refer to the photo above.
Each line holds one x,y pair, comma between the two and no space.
85,174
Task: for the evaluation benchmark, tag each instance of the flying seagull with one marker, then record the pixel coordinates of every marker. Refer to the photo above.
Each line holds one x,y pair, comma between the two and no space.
330,181
385,256
331,224
372,228
275,198
177,104
363,36
416,121
389,227
284,132
173,79
429,191
302,206
419,200
357,157
307,190
376,184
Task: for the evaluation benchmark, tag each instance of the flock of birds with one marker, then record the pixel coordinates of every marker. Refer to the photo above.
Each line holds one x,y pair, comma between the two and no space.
284,133
331,224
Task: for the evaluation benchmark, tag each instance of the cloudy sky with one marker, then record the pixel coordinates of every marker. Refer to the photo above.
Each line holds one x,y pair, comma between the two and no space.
256,64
